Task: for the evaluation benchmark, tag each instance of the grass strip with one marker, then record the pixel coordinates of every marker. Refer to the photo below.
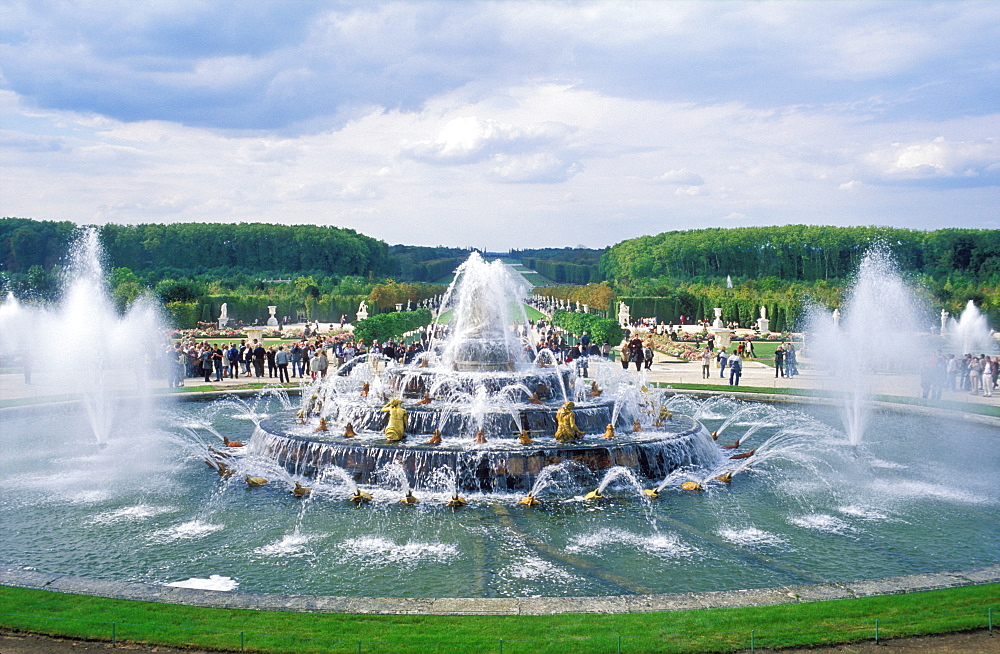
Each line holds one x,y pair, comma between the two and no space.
706,630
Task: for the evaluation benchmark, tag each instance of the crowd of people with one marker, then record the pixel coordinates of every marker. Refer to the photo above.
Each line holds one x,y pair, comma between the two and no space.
976,375
305,358
312,358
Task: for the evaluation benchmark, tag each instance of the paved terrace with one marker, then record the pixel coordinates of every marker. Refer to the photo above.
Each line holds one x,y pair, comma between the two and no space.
53,383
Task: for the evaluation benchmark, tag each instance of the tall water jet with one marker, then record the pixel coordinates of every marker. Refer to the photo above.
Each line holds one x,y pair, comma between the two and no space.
83,347
878,333
971,333
482,297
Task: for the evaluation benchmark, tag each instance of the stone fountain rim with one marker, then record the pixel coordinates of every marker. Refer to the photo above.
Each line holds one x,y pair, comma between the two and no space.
792,594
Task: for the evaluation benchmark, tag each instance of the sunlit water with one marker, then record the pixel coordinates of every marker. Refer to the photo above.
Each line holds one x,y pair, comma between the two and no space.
919,495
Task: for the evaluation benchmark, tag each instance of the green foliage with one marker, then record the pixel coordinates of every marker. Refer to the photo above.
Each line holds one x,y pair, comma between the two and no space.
25,243
182,315
562,272
391,325
172,290
801,252
426,264
600,329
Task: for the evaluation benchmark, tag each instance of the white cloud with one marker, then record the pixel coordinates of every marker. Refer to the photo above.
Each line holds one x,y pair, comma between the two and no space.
541,167
682,177
468,138
480,123
936,159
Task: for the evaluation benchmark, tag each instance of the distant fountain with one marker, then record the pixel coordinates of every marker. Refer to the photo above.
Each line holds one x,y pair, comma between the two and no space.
81,346
971,333
877,333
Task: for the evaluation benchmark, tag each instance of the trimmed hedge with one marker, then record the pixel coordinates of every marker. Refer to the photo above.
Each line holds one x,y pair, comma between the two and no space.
600,329
391,325
783,313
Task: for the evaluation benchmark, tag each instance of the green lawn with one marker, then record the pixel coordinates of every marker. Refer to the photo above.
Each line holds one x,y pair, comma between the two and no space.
710,630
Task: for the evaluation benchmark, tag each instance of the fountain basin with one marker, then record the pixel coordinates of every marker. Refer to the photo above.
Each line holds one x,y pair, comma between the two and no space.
498,465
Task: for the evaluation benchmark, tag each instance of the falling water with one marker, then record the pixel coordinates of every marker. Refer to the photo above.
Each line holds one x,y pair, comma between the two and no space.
82,346
877,334
971,333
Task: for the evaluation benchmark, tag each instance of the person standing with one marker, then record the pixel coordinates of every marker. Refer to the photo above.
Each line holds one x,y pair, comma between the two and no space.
258,356
319,363
272,368
218,361
988,365
248,357
735,369
233,355
791,362
706,362
281,360
975,375
779,362
635,351
295,357
723,361
205,358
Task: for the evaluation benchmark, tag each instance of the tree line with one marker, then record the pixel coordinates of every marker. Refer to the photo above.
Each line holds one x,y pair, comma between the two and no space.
324,272
801,253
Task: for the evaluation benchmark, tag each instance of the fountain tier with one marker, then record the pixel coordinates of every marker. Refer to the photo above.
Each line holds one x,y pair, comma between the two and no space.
500,465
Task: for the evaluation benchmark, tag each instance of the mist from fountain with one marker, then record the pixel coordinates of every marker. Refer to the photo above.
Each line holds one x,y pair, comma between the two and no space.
83,347
879,332
971,333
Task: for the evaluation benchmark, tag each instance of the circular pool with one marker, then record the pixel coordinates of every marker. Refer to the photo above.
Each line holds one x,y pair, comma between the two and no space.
918,495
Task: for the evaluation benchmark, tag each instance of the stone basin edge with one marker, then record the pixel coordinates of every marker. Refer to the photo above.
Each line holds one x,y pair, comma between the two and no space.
500,605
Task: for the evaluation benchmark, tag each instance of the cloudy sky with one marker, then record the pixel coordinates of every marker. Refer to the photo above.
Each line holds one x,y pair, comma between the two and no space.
502,124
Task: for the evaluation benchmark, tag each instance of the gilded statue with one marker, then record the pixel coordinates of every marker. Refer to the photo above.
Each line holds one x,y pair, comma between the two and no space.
567,431
395,431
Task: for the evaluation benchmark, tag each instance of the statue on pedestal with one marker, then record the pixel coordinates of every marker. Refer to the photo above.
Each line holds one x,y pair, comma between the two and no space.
395,430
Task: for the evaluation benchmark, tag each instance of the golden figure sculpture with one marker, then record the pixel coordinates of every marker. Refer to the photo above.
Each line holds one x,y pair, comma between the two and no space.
609,432
395,431
567,430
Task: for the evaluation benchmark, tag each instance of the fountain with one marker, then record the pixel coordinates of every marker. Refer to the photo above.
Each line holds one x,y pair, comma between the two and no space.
474,523
480,403
879,332
971,333
82,347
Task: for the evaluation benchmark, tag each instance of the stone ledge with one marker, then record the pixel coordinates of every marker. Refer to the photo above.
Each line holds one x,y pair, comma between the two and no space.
499,605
